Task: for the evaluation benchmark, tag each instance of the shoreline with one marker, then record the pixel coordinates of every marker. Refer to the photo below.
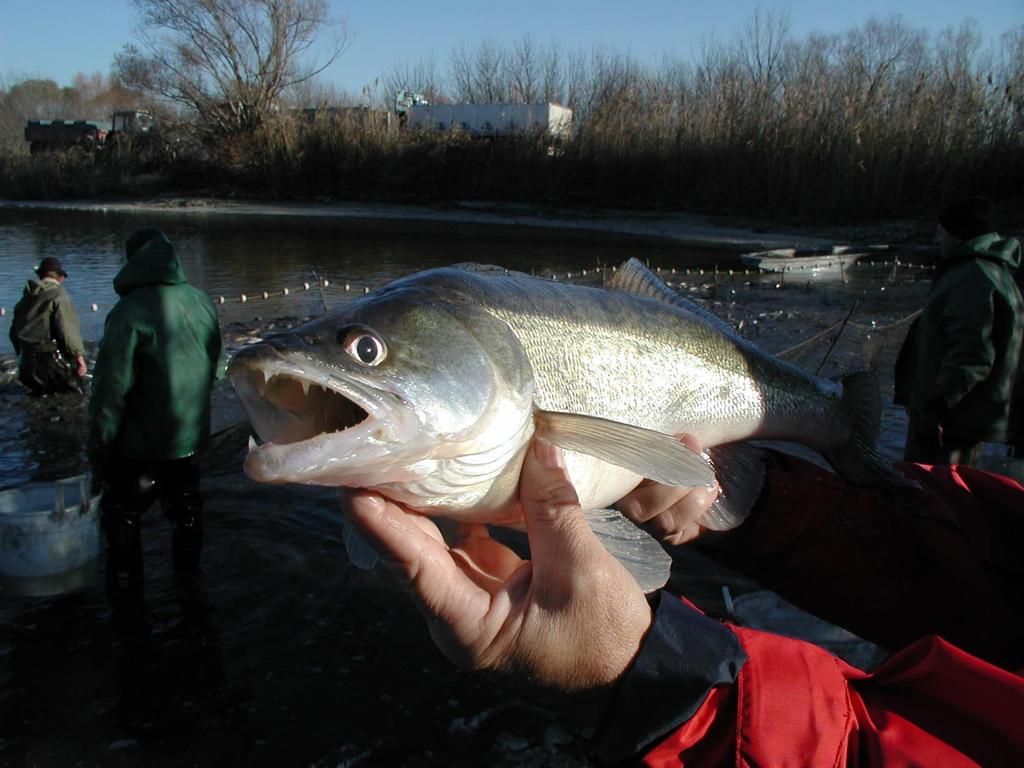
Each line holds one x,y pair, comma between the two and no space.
735,235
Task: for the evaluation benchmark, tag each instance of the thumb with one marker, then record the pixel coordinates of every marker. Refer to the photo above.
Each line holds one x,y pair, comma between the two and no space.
558,533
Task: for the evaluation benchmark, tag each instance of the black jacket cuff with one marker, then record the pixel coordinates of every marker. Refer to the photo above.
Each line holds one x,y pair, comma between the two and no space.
684,655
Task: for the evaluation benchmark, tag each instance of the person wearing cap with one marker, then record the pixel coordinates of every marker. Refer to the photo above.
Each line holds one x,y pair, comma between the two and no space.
956,369
46,334
149,411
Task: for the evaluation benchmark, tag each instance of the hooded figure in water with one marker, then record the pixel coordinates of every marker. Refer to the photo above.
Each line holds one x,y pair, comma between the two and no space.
957,367
149,414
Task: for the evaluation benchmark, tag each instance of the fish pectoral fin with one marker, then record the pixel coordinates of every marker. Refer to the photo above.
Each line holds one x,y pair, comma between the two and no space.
649,454
360,554
637,550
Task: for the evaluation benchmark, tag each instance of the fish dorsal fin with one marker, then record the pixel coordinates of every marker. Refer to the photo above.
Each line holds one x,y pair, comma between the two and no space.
634,277
637,550
650,454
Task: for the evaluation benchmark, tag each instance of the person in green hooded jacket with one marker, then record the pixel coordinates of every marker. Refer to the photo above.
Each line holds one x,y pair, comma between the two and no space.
149,410
46,334
956,369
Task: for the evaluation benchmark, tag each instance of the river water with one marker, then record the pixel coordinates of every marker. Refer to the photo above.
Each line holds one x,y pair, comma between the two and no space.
281,654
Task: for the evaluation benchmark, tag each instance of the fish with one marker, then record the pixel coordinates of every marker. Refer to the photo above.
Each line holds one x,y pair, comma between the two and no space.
431,389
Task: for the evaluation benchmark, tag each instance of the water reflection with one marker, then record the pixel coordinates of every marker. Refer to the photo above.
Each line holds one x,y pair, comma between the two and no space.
227,255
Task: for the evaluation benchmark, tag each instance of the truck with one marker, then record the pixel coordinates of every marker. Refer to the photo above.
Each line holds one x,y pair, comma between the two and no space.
484,119
87,135
50,135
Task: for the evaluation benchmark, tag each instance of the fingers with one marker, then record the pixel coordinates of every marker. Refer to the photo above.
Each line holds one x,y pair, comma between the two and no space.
650,499
691,442
558,533
668,512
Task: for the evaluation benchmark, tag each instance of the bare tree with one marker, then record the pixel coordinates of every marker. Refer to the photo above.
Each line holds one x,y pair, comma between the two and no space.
420,77
553,82
1009,84
760,51
477,76
577,88
461,73
230,60
489,68
523,64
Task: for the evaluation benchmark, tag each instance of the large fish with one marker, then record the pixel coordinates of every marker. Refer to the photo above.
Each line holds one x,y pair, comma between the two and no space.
430,389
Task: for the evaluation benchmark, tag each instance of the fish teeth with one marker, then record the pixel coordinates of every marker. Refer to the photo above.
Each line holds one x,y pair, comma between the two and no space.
305,386
253,445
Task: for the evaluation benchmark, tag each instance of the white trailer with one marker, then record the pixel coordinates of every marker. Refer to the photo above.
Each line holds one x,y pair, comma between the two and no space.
491,119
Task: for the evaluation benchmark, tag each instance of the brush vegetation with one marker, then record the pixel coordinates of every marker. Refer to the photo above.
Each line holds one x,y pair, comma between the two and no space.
882,120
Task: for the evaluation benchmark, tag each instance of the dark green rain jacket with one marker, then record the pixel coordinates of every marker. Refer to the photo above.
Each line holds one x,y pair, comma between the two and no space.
960,357
46,319
157,363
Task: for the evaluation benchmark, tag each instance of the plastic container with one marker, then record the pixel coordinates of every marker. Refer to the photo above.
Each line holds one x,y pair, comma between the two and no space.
49,536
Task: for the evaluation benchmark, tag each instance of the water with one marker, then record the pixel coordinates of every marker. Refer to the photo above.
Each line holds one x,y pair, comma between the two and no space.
228,256
281,654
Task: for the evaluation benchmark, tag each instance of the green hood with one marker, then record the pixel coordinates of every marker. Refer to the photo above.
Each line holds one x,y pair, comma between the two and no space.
993,247
157,362
155,263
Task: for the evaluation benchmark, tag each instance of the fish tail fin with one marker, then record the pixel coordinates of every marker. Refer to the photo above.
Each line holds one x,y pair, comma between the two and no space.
857,459
739,470
638,551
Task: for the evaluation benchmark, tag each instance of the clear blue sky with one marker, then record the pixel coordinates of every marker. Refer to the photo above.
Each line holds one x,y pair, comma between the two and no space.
57,38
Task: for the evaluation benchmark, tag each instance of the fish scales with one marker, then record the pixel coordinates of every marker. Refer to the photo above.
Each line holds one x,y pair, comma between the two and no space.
652,364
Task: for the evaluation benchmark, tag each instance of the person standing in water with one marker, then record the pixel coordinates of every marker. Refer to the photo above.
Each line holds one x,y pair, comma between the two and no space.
46,334
149,413
956,368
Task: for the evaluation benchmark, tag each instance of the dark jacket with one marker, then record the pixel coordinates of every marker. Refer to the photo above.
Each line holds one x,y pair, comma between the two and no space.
45,319
959,359
157,363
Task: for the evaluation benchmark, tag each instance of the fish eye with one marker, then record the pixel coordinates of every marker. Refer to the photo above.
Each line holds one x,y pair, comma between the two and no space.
363,345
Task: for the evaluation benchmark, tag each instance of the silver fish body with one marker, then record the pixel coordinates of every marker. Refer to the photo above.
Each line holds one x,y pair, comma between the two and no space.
431,389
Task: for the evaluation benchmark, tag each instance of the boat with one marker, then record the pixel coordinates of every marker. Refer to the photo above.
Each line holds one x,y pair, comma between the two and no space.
837,258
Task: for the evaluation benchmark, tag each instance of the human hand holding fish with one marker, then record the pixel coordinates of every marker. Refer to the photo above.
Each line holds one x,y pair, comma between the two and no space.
569,620
672,514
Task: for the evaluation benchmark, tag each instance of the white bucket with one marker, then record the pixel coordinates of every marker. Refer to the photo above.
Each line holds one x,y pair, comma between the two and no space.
49,535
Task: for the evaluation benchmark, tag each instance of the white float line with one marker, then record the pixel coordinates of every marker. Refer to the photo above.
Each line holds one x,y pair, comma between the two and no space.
244,298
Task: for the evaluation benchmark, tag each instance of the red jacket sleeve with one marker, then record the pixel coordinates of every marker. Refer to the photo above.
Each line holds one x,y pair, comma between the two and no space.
795,704
889,571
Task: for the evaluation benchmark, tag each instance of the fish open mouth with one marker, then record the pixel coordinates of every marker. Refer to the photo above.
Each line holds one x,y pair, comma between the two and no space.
286,409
